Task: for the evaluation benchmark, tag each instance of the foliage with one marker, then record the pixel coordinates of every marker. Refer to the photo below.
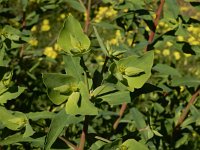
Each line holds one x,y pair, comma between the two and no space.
99,74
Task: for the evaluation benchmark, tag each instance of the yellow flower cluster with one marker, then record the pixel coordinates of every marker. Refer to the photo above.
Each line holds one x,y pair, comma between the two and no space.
33,42
52,52
116,40
162,27
105,12
45,25
189,10
194,36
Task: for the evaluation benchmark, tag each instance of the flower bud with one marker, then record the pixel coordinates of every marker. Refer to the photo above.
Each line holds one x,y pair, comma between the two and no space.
131,71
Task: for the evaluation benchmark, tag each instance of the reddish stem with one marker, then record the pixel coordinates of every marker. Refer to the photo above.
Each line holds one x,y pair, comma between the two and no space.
155,23
84,133
121,112
151,36
187,108
87,22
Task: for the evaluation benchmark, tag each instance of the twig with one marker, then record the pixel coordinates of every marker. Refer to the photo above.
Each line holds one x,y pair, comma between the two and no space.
155,23
68,143
87,12
84,133
187,108
121,112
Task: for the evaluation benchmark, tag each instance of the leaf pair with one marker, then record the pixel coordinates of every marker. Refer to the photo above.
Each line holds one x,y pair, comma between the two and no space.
72,38
67,88
133,71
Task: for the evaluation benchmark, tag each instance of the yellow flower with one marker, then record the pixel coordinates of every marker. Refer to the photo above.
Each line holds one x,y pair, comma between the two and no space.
33,42
57,47
113,42
62,16
180,38
34,28
184,8
125,10
157,51
48,51
187,55
166,52
169,44
107,12
147,28
45,27
161,24
177,55
45,22
182,88
129,41
118,34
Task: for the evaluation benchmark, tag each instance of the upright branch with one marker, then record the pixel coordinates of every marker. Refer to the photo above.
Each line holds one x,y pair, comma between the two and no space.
87,21
151,36
85,123
187,108
121,112
155,23
83,134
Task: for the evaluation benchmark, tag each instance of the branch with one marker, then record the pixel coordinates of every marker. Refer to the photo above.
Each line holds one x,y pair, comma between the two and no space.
155,23
121,112
84,133
152,34
187,108
87,11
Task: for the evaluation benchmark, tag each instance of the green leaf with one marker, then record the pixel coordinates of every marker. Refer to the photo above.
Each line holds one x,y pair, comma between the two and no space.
72,39
185,81
76,5
111,146
132,144
59,86
116,98
12,120
11,93
28,130
97,145
2,53
52,80
40,115
132,71
103,89
171,9
58,123
73,67
166,70
100,41
79,102
182,141
141,125
16,138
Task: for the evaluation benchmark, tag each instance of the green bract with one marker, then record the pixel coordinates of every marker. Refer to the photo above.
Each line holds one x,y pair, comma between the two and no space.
72,39
133,71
